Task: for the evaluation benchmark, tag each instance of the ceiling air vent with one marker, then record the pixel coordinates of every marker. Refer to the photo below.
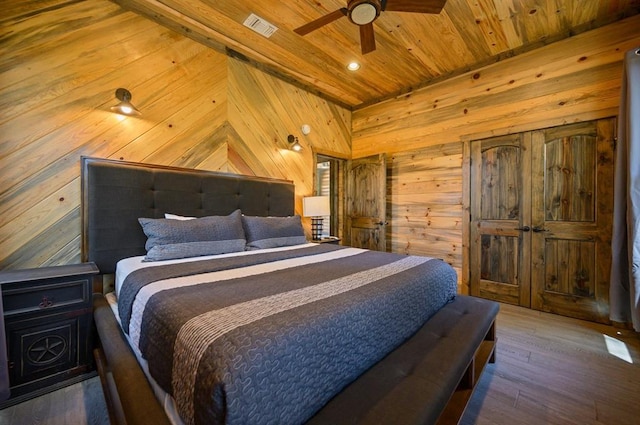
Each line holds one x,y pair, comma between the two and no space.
260,26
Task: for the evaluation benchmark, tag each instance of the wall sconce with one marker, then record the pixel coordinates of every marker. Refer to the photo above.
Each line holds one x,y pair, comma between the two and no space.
125,107
316,207
294,145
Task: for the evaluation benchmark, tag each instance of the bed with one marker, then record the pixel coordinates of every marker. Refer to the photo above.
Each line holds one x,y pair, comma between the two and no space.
223,313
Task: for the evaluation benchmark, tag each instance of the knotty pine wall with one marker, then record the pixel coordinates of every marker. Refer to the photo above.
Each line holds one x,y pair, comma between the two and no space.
423,133
60,64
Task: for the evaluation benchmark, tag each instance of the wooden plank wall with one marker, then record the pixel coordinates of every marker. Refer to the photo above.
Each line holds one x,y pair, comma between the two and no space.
424,132
576,79
424,203
60,64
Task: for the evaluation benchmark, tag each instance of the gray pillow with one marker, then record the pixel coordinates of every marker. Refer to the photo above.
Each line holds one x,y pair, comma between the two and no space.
170,239
271,232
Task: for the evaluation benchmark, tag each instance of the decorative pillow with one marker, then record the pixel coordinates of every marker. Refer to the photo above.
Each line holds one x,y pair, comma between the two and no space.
271,232
169,238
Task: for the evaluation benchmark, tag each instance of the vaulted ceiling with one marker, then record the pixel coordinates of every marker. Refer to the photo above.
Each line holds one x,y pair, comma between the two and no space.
412,49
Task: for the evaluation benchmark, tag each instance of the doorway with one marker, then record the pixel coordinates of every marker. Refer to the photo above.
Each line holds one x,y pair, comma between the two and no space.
329,181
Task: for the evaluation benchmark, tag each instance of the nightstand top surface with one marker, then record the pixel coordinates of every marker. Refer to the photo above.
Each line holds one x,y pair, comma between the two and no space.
52,272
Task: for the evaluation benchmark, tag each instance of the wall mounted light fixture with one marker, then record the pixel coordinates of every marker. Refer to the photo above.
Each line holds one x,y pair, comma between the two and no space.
294,145
125,107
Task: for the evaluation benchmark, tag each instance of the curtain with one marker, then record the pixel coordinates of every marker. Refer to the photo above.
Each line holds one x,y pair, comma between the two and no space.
624,292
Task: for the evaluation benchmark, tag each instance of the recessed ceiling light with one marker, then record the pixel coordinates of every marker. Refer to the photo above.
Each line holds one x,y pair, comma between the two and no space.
353,66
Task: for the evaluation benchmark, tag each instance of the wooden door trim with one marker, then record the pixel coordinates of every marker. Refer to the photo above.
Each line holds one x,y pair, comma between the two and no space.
474,205
466,216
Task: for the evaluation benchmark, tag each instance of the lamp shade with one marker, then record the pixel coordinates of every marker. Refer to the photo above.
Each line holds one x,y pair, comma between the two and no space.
316,206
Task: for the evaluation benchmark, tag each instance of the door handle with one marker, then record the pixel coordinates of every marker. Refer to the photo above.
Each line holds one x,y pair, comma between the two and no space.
382,223
524,228
539,229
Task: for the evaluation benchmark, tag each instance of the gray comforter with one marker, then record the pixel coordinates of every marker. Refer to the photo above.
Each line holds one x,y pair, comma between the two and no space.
269,338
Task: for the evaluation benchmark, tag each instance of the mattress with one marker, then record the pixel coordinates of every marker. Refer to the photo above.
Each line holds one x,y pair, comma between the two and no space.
270,336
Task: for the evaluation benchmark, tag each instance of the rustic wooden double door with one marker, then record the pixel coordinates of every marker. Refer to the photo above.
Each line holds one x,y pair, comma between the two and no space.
540,219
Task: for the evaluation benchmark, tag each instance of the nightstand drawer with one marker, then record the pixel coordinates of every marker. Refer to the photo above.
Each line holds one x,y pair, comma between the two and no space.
27,298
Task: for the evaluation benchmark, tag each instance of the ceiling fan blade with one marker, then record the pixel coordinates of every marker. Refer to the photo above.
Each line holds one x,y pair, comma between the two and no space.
321,21
367,38
415,6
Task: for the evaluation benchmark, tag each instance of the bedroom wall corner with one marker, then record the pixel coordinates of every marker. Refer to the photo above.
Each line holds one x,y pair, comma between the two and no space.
63,63
263,110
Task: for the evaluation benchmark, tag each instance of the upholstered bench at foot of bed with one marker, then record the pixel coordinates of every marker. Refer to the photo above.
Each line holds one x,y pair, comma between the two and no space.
427,380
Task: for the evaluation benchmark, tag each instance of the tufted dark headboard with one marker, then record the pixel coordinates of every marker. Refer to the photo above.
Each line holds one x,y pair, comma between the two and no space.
116,193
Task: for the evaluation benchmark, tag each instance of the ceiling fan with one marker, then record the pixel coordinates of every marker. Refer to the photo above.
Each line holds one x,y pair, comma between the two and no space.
364,12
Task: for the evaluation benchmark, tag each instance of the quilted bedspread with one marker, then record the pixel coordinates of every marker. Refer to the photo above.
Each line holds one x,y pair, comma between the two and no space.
269,338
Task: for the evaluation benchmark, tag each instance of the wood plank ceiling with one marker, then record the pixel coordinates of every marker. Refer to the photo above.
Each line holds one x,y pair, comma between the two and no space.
413,50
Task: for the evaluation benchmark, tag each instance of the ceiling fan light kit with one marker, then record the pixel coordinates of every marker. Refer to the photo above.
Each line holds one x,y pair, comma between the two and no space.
364,12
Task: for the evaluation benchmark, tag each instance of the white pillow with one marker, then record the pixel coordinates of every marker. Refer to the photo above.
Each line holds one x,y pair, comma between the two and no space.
177,217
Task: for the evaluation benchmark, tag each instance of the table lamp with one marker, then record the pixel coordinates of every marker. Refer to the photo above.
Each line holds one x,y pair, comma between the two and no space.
316,207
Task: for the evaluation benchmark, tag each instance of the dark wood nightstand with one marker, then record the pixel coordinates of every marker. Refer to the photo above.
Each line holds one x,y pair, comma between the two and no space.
48,319
331,240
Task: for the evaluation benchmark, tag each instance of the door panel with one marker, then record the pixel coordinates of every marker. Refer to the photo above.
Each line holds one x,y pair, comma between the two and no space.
499,259
499,205
569,179
500,195
366,203
499,262
573,200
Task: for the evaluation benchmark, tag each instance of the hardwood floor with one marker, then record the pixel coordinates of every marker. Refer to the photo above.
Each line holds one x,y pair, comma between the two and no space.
77,404
557,370
550,370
